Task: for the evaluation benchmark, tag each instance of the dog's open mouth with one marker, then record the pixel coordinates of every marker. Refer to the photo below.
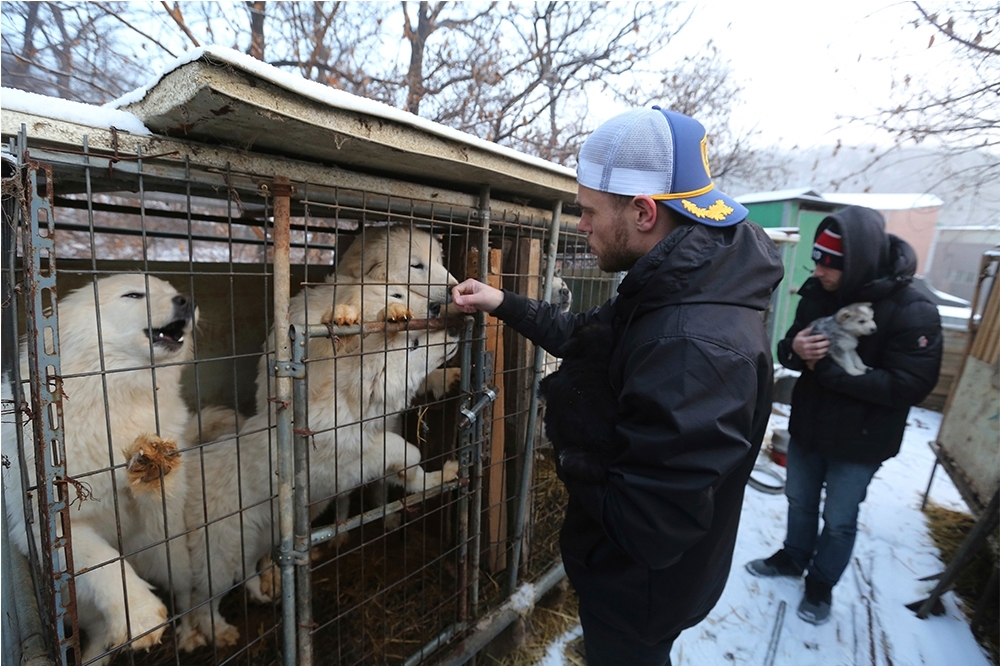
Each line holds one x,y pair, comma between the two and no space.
170,337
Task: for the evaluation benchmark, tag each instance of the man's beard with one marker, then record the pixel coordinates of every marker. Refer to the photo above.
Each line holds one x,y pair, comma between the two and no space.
618,257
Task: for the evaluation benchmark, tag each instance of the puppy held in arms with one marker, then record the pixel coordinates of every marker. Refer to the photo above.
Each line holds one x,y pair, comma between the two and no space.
581,405
843,329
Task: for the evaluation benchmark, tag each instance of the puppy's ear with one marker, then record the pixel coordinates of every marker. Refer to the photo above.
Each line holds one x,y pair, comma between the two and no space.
844,315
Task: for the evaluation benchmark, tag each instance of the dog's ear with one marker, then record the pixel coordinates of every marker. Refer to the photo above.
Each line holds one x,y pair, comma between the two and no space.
377,264
843,315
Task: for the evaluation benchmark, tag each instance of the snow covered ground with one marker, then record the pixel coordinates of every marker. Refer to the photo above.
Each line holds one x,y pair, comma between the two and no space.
870,623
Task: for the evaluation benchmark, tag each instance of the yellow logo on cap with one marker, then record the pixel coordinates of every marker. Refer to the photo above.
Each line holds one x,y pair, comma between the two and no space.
704,155
717,211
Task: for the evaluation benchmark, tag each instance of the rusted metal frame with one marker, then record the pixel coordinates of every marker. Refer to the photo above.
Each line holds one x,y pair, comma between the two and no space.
281,191
527,468
22,596
47,417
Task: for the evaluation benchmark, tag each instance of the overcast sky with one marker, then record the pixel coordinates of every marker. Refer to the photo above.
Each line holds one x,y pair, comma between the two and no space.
804,63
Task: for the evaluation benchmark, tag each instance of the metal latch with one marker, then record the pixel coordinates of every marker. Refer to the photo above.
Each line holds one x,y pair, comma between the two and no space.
469,415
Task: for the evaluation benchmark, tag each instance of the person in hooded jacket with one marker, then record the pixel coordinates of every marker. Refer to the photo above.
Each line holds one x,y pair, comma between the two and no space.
842,427
648,547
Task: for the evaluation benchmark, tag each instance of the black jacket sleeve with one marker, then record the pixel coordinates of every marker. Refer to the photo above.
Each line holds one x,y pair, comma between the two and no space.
543,324
908,366
682,409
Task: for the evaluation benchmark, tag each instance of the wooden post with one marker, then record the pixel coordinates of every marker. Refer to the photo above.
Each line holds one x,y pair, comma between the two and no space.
527,281
494,449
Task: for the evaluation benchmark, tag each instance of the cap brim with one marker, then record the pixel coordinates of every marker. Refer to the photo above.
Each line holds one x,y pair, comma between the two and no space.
712,208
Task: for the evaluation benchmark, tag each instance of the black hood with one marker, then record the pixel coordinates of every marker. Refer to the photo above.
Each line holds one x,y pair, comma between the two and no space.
875,263
695,263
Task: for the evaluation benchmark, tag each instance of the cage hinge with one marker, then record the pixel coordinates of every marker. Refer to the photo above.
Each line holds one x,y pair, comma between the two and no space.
288,369
294,557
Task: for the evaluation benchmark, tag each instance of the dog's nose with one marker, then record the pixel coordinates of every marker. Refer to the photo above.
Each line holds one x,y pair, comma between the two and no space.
434,310
183,306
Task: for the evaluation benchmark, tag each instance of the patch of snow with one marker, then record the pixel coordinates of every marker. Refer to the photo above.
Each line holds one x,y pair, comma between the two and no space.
12,99
870,623
554,653
523,599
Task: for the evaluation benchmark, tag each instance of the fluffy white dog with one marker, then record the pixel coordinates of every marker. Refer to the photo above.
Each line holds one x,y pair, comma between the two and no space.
398,262
118,457
349,395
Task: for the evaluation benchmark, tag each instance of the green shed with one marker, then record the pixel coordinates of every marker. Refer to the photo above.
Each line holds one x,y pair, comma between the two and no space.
798,212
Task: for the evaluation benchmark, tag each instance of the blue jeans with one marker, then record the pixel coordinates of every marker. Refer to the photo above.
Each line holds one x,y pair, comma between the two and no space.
825,554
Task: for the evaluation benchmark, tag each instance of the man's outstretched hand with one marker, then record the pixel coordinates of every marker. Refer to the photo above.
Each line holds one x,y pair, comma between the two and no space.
472,296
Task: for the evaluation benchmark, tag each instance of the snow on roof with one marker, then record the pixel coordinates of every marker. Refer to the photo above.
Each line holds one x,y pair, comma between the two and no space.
884,201
779,195
102,117
869,200
335,98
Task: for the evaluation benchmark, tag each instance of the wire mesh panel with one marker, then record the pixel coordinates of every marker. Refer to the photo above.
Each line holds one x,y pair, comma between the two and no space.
281,444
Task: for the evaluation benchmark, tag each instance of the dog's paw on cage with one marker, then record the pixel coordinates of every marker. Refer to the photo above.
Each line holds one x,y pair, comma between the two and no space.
150,460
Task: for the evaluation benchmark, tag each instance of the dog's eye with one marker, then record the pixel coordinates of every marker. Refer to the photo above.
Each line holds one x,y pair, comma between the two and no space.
419,265
134,294
399,296
415,344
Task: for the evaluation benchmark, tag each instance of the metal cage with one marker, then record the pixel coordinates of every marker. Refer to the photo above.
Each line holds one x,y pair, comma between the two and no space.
358,574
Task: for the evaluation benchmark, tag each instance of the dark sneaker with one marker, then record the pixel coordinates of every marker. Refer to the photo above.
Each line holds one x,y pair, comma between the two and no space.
815,605
779,564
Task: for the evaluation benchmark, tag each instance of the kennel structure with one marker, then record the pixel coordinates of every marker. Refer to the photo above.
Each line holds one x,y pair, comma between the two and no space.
240,185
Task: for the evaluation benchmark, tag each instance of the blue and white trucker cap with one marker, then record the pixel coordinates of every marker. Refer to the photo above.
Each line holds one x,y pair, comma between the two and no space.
663,154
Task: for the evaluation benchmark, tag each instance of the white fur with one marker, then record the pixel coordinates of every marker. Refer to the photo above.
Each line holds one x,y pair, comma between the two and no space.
376,268
349,396
134,408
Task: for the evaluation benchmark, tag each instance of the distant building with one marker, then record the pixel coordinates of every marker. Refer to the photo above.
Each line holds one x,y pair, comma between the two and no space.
955,257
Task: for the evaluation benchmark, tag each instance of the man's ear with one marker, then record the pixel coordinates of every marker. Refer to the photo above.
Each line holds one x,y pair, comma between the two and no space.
647,212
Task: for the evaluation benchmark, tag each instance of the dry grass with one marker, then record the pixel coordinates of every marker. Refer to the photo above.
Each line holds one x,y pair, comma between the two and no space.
375,601
949,529
384,595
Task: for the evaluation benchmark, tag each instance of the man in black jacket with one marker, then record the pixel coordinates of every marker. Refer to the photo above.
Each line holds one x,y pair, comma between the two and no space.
843,427
648,548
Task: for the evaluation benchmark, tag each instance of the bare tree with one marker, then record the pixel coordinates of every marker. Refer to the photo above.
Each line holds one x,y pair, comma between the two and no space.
519,74
963,116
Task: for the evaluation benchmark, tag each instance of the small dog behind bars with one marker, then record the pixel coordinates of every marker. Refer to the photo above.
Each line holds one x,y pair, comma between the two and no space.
122,343
843,329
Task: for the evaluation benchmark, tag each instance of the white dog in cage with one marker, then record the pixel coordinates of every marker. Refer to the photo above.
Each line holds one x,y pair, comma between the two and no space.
349,395
409,261
114,402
